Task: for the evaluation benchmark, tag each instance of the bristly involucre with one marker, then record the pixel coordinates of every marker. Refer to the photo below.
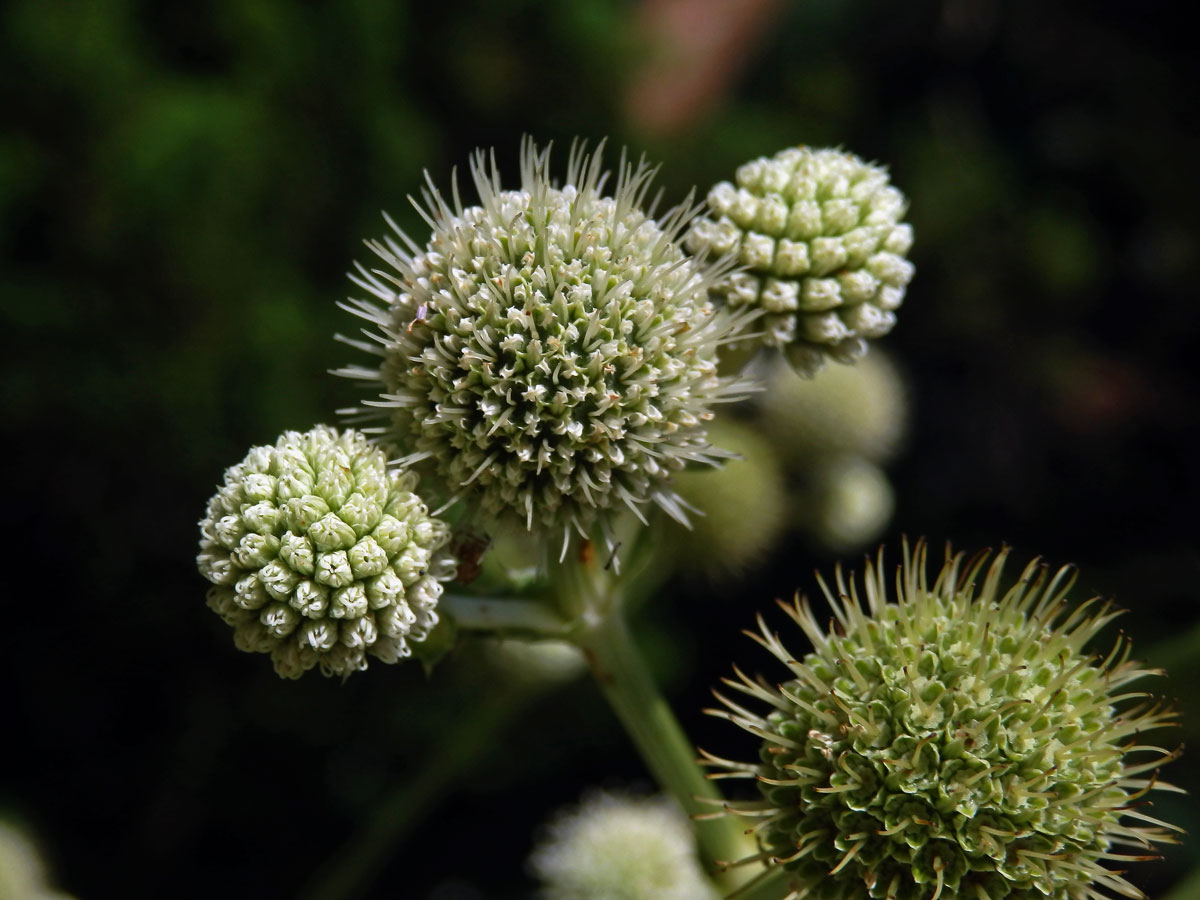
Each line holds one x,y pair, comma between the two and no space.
550,355
957,744
320,554
820,236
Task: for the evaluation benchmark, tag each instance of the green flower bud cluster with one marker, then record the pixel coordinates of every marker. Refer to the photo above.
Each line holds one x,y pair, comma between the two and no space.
821,237
320,554
620,847
957,743
551,354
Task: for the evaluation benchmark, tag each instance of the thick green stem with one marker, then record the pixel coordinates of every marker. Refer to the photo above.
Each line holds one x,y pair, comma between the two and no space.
501,616
630,689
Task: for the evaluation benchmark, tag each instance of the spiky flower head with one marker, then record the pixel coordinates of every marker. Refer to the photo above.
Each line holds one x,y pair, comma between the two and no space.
320,554
620,847
959,743
550,354
820,235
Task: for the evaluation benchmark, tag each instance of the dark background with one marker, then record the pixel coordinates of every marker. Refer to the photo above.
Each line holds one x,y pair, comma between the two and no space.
183,186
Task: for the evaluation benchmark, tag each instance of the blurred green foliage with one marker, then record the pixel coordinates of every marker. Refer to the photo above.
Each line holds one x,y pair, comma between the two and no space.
182,187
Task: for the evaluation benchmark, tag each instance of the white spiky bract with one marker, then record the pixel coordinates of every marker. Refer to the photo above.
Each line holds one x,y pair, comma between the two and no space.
956,744
550,355
820,236
320,554
620,847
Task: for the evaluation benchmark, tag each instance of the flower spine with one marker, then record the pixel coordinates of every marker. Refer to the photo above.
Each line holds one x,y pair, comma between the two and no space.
957,743
820,237
320,554
549,355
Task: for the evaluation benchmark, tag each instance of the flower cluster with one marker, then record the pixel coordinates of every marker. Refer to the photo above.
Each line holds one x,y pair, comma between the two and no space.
320,554
550,355
820,235
958,743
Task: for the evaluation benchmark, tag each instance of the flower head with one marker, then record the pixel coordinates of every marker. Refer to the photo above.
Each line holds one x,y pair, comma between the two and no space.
320,553
957,743
550,355
861,409
22,871
620,847
820,235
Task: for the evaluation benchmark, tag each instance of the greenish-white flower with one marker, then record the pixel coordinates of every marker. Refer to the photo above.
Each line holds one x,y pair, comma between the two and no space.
620,847
550,355
844,502
321,554
861,409
819,233
960,743
23,873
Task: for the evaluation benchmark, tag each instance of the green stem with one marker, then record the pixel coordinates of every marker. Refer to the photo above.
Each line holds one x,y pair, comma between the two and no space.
666,750
501,616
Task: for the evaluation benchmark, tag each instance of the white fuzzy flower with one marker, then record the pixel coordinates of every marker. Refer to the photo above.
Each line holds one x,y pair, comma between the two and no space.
620,847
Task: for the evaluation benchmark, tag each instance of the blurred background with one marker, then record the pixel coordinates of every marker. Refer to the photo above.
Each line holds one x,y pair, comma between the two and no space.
183,187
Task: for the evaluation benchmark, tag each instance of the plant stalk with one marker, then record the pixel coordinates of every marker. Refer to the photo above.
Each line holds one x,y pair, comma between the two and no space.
503,616
627,684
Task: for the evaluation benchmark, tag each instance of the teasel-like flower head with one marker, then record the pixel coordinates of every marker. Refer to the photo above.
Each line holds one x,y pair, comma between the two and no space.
550,355
321,554
819,233
959,743
620,847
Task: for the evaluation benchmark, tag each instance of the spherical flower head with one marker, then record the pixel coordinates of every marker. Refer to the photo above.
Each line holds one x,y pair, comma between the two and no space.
957,743
861,409
820,237
320,554
620,847
550,355
845,502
